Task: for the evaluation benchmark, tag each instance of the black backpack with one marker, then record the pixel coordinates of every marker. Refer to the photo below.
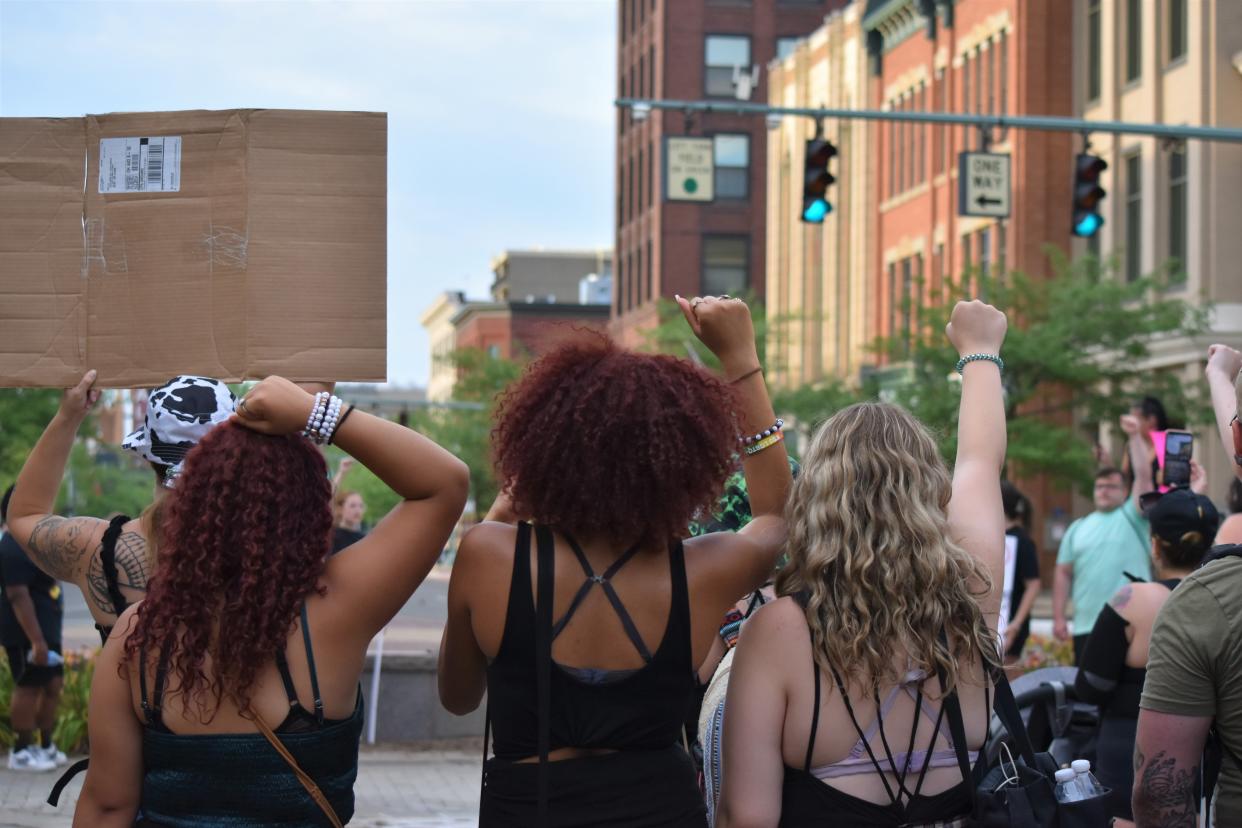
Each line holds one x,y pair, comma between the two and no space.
1018,792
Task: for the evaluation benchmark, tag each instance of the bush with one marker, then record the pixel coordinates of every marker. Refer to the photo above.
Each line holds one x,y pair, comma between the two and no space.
70,731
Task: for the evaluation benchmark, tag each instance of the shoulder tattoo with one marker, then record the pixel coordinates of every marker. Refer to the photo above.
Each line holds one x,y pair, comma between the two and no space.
1122,597
57,545
133,569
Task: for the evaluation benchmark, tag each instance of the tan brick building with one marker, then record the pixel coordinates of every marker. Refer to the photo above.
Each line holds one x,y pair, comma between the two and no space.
820,299
1169,203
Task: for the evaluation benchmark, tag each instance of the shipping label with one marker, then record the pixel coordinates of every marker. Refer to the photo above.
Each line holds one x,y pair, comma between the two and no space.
140,165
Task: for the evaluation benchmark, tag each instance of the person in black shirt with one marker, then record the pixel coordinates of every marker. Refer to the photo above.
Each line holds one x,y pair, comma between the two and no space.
1022,559
31,615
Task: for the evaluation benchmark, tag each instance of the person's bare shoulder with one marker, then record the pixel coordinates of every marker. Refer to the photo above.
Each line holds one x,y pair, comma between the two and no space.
1230,531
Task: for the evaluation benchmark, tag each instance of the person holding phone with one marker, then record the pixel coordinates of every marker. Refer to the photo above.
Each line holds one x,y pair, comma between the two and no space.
1098,550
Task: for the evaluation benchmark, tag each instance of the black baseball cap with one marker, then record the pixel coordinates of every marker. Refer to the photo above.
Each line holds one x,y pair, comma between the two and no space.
1181,511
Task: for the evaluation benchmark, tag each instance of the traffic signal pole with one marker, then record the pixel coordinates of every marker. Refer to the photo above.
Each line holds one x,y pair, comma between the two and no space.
1037,122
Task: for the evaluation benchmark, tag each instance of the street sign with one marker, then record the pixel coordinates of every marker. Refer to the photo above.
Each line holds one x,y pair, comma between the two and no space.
689,169
983,184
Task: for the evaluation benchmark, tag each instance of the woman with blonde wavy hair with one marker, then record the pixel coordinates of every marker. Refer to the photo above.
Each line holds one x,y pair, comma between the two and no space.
889,602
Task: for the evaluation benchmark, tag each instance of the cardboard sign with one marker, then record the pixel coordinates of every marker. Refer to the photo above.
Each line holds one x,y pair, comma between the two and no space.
233,244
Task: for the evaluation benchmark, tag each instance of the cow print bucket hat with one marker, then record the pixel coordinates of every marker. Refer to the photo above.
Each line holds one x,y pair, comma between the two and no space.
179,414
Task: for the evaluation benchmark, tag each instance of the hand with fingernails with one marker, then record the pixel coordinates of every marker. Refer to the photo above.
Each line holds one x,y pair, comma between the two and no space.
77,402
723,324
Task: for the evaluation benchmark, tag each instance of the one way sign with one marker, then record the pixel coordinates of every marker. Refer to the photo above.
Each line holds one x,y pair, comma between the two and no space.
983,184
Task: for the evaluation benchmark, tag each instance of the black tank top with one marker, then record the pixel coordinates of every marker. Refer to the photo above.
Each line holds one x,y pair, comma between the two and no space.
639,709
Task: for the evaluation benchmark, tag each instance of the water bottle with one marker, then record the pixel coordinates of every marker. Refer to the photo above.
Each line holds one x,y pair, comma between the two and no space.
1066,790
54,659
1088,785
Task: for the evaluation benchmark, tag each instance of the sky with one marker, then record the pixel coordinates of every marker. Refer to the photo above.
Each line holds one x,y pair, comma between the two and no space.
500,118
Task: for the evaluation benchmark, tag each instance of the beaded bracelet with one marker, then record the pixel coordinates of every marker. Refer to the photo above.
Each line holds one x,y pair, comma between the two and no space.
961,363
324,418
767,442
767,432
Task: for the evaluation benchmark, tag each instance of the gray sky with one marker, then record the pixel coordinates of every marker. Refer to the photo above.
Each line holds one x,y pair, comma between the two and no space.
500,130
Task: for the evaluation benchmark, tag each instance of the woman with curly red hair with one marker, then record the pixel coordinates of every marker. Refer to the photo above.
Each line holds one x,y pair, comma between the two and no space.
247,621
610,454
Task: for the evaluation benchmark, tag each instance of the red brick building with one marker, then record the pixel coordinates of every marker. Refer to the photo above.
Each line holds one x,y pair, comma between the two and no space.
512,330
968,56
688,50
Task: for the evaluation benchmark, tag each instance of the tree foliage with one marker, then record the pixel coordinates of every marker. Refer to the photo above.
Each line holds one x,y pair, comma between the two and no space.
1072,356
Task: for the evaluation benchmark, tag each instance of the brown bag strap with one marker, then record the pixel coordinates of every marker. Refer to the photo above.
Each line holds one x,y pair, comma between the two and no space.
303,777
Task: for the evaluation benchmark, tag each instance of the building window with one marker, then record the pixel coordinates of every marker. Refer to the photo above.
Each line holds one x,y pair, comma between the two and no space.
629,191
725,267
1093,49
985,254
1002,243
785,46
732,158
1177,209
901,151
892,299
723,53
651,70
642,74
638,277
922,129
1134,216
1134,40
907,301
965,98
991,100
638,204
649,294
1178,24
651,162
1003,60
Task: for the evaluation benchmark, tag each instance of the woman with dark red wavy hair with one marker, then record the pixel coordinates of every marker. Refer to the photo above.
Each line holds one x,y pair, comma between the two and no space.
247,621
587,639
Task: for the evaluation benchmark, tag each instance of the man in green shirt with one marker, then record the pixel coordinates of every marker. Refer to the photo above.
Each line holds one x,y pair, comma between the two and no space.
1194,667
1095,554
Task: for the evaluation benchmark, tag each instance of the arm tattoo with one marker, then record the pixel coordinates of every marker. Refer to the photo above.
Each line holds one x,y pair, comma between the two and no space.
58,544
132,570
1122,597
1166,791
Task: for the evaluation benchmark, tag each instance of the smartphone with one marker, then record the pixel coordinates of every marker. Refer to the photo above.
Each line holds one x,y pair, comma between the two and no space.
1178,446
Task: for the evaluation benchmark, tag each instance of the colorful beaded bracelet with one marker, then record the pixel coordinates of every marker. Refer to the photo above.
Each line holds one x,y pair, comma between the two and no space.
767,432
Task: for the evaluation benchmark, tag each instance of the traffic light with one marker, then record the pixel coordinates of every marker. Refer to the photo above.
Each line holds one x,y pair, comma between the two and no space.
816,180
1087,195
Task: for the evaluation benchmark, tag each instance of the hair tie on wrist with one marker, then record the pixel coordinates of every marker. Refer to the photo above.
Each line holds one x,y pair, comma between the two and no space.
747,375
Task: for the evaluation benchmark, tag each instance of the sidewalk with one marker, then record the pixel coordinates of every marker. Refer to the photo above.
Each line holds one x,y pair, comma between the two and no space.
396,788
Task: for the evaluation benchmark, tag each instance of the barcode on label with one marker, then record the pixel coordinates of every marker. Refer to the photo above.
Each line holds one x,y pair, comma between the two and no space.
155,165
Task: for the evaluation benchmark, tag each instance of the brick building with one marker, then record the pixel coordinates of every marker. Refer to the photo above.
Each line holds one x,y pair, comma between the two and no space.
978,56
692,50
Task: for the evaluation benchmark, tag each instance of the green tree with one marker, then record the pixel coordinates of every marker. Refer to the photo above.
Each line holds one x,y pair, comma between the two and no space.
464,426
24,413
1071,356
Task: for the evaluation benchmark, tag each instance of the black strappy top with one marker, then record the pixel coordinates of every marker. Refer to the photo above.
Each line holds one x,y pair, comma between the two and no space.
809,802
238,779
639,709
